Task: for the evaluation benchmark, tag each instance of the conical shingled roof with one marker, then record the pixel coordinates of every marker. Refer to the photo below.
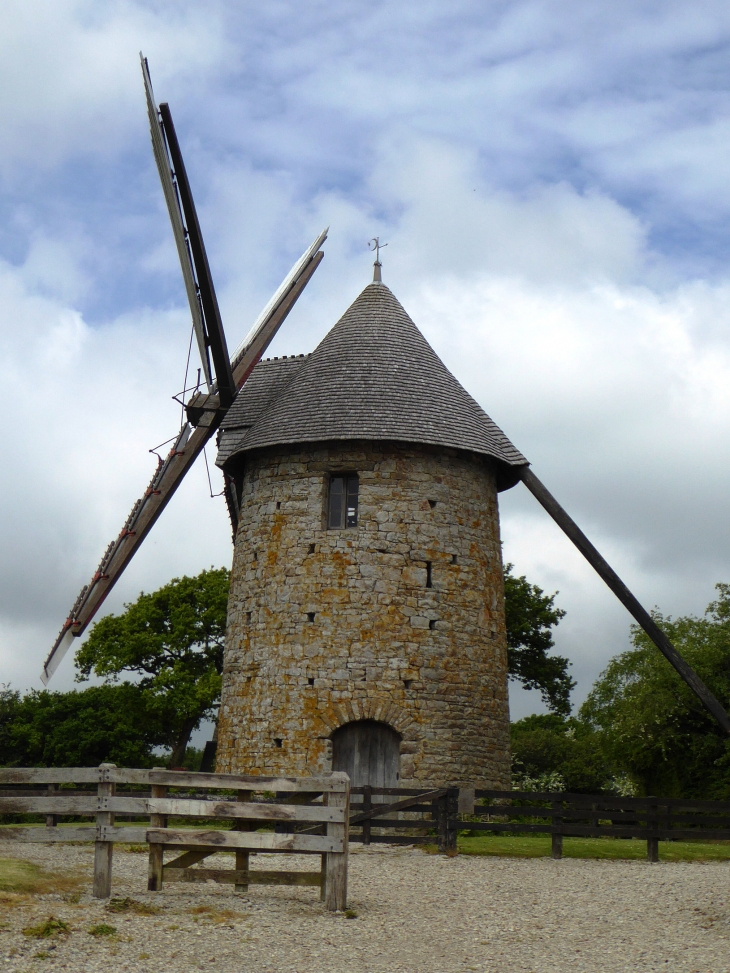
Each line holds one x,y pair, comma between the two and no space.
374,377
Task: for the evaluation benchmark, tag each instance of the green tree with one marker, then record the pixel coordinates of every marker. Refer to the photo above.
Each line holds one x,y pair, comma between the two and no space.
173,640
562,751
654,727
531,615
77,729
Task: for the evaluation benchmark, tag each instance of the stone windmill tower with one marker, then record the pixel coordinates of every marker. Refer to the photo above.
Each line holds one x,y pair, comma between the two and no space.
366,616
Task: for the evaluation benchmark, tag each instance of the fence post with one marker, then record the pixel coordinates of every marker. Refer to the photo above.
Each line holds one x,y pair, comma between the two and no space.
103,849
154,869
335,870
557,837
441,822
452,821
652,841
52,819
367,804
242,856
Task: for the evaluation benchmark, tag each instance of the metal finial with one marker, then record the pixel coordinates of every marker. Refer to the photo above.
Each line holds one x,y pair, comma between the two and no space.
378,246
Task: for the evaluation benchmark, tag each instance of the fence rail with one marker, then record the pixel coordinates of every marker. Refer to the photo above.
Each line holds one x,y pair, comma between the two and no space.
256,803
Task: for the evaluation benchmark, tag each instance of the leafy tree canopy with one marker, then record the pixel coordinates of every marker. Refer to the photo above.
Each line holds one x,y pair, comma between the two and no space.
531,615
173,641
77,729
652,724
552,752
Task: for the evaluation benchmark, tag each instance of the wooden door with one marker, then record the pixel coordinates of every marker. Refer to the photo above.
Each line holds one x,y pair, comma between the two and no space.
369,752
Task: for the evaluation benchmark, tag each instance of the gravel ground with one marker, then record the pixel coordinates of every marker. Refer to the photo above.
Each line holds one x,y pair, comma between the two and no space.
416,913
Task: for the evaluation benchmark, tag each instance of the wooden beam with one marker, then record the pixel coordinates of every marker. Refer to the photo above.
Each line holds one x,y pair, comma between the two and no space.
255,841
627,599
191,857
378,810
250,782
334,870
180,807
155,869
243,877
103,847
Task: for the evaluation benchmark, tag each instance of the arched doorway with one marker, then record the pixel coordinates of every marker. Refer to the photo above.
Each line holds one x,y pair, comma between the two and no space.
369,752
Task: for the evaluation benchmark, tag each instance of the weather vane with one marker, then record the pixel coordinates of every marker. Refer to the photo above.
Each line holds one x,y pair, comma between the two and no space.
377,246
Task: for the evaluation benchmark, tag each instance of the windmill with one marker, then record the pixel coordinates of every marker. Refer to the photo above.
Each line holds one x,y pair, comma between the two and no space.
223,375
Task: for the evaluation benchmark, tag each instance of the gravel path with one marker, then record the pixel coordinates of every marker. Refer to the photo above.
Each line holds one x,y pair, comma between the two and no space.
416,913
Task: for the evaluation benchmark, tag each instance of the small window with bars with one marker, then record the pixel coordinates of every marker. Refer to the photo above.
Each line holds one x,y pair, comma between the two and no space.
342,508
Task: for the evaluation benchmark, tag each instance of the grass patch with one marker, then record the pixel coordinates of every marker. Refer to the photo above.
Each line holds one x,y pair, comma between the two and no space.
48,929
538,846
22,877
102,929
132,905
215,915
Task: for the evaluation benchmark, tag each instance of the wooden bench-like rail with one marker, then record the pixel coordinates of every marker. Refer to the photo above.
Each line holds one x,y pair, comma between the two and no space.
319,801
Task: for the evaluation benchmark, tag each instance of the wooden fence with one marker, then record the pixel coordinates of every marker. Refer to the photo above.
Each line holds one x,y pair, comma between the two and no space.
255,802
442,813
425,816
314,816
652,819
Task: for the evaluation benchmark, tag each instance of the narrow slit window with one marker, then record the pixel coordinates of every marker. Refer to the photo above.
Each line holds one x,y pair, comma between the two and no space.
343,501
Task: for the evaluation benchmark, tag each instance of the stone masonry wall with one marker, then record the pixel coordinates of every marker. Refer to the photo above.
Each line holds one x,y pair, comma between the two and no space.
329,626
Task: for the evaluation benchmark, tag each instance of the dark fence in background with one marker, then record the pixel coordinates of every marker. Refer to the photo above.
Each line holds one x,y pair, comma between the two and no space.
416,816
652,819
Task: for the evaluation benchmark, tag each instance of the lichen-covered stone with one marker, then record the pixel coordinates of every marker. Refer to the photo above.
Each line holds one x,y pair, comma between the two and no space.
329,626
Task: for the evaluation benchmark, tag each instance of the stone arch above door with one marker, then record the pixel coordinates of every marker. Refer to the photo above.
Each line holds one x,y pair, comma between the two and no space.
369,752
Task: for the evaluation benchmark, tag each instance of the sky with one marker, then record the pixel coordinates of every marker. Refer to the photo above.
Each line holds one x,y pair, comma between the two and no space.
551,180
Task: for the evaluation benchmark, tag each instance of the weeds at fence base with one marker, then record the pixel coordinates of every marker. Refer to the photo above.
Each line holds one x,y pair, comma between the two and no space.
49,929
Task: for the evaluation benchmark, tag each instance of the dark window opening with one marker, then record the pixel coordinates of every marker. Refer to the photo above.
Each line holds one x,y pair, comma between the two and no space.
343,501
248,617
432,503
278,504
432,624
453,559
429,578
311,548
407,683
310,616
255,556
278,741
311,680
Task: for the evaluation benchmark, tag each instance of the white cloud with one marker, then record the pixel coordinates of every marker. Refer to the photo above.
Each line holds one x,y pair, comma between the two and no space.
83,407
70,71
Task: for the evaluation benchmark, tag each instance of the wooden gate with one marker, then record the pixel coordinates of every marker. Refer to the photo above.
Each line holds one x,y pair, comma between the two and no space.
210,800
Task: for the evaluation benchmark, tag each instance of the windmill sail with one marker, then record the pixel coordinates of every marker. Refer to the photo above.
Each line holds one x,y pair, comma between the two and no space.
205,412
169,188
